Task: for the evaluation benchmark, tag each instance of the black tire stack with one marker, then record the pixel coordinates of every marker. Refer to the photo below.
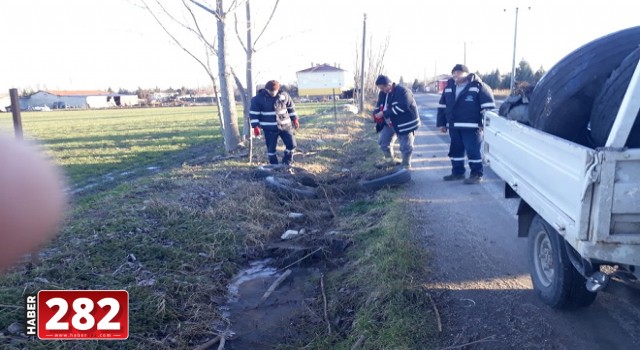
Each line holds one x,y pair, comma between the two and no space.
578,98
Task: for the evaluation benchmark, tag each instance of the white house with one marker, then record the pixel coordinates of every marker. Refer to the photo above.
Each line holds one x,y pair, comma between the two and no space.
5,101
76,99
323,80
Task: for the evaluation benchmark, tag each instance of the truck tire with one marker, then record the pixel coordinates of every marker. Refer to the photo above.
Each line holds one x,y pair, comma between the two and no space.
263,171
608,101
396,178
554,278
562,100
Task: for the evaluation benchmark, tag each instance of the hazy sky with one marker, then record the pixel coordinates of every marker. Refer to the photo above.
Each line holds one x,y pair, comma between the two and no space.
97,44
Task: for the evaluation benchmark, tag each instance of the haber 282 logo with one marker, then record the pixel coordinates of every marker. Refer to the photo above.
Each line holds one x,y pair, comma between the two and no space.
78,314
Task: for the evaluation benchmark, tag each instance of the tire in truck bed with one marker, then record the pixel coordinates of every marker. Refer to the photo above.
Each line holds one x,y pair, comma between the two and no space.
562,101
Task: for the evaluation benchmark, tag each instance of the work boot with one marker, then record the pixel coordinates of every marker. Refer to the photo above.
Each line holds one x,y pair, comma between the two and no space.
389,161
406,160
288,157
453,177
473,179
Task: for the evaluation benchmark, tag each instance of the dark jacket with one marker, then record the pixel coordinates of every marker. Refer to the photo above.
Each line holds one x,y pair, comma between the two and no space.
401,112
272,113
466,110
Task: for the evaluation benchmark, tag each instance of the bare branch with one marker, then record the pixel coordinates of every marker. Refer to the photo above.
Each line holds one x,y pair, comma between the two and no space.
177,42
197,33
243,91
273,11
282,38
210,46
234,6
244,47
204,7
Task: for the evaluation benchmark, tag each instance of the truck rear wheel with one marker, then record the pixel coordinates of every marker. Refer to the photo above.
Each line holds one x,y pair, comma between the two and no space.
554,278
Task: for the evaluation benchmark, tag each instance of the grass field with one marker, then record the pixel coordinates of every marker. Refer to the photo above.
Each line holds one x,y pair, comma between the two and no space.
90,144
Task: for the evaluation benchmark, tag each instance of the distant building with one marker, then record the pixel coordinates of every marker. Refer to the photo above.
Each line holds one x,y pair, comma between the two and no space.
76,99
441,82
5,102
323,80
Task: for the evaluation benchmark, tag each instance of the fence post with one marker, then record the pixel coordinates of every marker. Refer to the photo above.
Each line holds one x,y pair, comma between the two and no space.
335,110
15,110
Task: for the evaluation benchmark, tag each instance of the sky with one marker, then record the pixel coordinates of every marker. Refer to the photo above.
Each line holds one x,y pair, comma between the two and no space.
100,44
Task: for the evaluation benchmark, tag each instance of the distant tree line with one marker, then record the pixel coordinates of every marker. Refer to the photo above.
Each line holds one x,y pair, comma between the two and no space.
524,74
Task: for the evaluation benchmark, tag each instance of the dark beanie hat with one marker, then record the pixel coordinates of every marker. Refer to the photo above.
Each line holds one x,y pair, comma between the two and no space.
272,85
383,80
460,67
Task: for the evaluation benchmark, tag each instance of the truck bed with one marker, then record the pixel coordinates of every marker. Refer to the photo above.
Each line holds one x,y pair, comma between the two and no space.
591,197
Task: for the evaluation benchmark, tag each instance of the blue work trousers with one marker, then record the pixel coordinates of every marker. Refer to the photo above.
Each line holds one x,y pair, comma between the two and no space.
469,141
289,140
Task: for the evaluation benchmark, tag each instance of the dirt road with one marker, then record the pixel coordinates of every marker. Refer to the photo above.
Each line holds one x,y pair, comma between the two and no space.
480,280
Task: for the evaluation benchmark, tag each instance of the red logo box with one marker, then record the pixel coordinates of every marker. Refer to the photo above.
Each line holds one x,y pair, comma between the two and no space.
83,314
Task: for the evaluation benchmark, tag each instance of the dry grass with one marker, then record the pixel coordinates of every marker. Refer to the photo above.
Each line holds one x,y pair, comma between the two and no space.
174,240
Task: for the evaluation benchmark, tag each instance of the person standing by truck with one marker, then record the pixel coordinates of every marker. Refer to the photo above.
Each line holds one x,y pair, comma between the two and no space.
397,115
275,112
461,113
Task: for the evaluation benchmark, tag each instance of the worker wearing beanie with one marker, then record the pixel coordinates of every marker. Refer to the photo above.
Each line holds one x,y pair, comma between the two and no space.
461,113
274,111
396,115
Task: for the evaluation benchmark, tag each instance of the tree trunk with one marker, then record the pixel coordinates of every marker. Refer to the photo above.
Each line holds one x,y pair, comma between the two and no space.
216,96
229,111
246,103
249,88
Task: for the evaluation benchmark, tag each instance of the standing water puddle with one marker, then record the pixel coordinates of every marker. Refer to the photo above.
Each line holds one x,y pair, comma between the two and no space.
256,325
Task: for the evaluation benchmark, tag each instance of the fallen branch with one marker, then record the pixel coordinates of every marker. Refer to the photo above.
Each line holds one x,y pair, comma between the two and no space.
273,286
358,343
324,299
299,260
333,212
222,341
435,309
483,340
208,344
118,270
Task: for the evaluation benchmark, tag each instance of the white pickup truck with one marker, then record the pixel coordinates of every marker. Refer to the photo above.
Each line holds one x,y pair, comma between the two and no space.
579,208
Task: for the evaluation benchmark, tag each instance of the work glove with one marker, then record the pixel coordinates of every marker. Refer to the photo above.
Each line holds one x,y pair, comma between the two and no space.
256,131
296,123
377,119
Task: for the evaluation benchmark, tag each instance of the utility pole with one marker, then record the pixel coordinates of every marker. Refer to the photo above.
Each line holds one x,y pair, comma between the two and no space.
515,39
364,41
15,111
465,54
513,62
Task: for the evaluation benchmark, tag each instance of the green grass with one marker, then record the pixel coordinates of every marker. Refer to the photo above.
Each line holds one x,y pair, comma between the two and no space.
378,296
90,144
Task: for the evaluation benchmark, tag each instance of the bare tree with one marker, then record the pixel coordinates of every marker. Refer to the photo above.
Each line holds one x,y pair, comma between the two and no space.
224,97
208,48
249,48
375,66
229,112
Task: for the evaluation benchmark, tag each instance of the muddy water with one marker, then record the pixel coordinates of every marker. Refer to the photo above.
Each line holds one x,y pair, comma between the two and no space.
255,325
